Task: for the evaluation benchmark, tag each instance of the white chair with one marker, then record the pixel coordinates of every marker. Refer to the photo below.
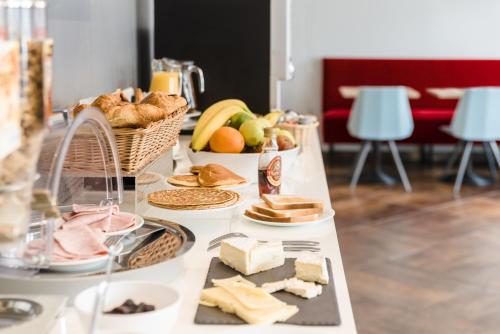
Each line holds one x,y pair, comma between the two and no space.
380,114
476,119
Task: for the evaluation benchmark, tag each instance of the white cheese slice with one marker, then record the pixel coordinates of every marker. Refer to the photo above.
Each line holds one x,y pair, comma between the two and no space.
253,305
237,278
248,256
303,289
311,267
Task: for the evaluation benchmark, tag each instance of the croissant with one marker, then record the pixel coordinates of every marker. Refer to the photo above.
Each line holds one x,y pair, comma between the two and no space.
133,115
169,103
104,102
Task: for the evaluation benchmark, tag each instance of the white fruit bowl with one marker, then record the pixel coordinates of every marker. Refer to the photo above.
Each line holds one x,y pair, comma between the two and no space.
160,321
243,164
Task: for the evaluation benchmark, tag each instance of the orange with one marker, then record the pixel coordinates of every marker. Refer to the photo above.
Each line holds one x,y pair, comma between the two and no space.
227,140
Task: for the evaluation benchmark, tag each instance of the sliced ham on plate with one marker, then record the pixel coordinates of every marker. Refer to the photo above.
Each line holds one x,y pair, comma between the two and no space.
107,219
79,242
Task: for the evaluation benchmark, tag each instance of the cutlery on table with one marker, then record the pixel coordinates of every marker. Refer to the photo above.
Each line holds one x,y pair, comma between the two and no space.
289,245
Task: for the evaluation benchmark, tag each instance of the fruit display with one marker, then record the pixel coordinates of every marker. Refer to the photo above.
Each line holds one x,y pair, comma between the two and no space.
228,126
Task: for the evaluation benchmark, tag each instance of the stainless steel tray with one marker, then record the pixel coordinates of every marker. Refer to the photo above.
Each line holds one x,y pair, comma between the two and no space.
152,229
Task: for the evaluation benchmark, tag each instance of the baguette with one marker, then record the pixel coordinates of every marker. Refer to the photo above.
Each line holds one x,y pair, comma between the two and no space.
289,202
259,216
264,209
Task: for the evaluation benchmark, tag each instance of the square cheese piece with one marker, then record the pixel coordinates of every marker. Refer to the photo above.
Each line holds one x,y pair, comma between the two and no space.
311,267
248,256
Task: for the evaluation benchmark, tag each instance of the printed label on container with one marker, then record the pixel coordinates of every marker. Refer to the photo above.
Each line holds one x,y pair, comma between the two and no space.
274,171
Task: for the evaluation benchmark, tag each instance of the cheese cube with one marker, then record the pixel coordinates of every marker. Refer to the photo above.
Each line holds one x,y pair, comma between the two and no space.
248,256
311,267
303,289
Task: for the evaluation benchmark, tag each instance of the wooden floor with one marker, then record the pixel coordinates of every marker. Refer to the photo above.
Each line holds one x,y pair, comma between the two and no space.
421,262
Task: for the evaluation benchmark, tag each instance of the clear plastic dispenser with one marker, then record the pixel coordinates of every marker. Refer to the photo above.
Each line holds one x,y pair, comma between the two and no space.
62,182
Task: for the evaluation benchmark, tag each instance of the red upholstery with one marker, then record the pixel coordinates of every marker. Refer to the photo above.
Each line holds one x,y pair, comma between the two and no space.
429,112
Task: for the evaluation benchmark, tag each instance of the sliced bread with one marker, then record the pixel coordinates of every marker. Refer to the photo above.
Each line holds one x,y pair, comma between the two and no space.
265,209
289,202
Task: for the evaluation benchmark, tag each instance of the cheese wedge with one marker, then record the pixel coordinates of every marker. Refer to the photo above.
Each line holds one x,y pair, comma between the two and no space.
311,267
253,305
248,256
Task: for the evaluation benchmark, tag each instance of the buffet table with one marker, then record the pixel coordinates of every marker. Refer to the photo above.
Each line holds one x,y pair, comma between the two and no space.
306,178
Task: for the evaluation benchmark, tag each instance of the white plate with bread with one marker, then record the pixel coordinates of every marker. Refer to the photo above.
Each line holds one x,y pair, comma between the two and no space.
287,211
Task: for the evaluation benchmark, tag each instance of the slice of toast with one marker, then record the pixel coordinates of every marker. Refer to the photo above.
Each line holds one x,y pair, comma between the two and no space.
289,202
264,209
259,216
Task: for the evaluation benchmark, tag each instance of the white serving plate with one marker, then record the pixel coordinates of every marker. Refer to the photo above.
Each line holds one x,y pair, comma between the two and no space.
139,221
165,299
243,164
232,187
326,215
81,265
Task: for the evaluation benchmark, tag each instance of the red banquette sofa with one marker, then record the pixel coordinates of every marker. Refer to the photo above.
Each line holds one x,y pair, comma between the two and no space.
429,112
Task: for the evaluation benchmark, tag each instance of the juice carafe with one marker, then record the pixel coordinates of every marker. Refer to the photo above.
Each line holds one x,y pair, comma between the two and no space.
166,77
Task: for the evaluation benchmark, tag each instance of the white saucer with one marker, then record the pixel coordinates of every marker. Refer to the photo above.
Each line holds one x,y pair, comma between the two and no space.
326,215
81,265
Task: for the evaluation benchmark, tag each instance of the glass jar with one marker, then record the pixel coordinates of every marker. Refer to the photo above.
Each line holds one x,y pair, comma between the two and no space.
269,164
166,76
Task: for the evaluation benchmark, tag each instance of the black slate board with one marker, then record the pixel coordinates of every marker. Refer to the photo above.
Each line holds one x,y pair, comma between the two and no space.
319,311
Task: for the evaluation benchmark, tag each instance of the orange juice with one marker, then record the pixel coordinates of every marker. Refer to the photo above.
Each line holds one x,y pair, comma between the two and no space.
168,82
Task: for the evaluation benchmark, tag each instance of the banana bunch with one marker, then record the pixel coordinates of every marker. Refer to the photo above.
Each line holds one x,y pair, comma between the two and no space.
213,118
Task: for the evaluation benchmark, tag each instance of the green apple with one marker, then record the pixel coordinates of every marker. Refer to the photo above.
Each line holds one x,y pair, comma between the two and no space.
252,132
238,119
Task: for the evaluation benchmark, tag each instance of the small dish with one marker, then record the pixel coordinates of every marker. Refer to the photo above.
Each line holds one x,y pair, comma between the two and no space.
327,214
81,265
165,299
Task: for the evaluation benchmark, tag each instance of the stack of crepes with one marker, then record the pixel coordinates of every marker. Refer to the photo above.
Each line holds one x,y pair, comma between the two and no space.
82,233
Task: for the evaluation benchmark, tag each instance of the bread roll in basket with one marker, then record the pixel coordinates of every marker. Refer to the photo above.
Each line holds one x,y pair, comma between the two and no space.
143,129
122,113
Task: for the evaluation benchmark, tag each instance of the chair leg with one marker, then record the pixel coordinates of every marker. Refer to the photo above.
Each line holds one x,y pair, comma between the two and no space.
399,166
360,162
463,166
496,153
490,159
454,157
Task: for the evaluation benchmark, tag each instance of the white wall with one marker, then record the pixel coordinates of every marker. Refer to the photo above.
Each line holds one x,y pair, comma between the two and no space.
384,28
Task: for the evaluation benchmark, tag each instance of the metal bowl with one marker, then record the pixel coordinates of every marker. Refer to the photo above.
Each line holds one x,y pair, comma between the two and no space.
14,311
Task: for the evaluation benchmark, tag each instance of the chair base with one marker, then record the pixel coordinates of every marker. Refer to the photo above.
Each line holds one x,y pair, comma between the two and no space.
376,175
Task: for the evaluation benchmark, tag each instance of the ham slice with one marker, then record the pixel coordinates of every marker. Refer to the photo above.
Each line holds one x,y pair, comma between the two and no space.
79,242
120,222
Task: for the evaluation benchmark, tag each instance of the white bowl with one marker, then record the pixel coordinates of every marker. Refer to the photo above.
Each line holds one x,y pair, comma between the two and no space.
165,299
243,164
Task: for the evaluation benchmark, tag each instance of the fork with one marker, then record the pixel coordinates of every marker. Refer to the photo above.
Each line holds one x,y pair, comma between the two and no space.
290,245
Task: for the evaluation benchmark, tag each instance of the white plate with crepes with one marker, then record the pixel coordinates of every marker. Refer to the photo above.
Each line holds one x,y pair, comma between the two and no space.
324,216
89,264
139,221
231,187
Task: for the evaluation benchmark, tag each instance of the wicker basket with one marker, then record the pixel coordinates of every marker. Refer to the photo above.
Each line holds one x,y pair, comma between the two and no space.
303,133
136,147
